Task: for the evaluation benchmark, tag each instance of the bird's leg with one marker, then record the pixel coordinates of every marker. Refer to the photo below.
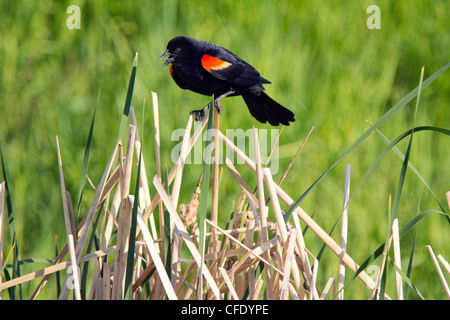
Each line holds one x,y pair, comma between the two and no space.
217,101
200,114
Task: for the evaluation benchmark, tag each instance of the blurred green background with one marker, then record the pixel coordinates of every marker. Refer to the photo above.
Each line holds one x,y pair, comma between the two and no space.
323,62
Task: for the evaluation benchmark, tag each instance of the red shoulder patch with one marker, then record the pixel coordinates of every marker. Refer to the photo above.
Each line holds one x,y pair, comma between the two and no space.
171,70
210,62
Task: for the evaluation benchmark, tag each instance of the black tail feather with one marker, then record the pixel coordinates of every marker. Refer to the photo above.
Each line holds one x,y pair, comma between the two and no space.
265,109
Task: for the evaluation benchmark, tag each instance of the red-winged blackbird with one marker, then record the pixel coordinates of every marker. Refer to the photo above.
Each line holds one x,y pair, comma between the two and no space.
208,69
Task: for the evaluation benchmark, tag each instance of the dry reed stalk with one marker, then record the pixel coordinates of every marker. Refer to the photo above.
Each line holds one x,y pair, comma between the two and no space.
293,293
224,253
120,261
439,271
219,258
262,212
215,170
329,284
148,213
253,200
335,248
241,281
215,187
303,262
275,204
274,146
98,264
229,283
315,292
190,244
157,199
2,216
160,269
146,272
386,249
283,176
260,186
287,265
110,183
444,263
176,250
71,216
249,279
191,286
68,219
199,278
156,135
179,165
75,269
57,260
183,280
139,258
87,221
115,204
189,212
254,254
344,231
250,196
448,198
239,214
106,282
279,217
258,286
54,268
123,231
348,261
143,174
313,280
397,258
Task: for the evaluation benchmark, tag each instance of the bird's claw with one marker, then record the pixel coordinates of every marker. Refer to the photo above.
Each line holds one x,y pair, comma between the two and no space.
218,107
199,115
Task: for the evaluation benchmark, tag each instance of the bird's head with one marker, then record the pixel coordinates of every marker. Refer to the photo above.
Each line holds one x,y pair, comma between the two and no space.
177,48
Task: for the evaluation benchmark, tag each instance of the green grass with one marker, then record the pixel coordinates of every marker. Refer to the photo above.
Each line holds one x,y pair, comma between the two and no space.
323,63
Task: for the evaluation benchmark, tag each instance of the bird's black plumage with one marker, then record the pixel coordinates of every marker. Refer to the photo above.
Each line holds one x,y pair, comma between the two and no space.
209,69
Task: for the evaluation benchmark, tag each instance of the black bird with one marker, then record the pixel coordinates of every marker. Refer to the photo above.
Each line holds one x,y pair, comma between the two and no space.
209,69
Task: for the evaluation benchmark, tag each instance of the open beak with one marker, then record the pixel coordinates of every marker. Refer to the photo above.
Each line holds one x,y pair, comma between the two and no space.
169,60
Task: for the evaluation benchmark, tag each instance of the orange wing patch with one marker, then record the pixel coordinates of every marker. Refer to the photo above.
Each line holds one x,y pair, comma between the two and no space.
210,62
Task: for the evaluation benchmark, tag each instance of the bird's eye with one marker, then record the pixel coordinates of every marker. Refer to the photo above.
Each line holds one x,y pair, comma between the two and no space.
177,50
